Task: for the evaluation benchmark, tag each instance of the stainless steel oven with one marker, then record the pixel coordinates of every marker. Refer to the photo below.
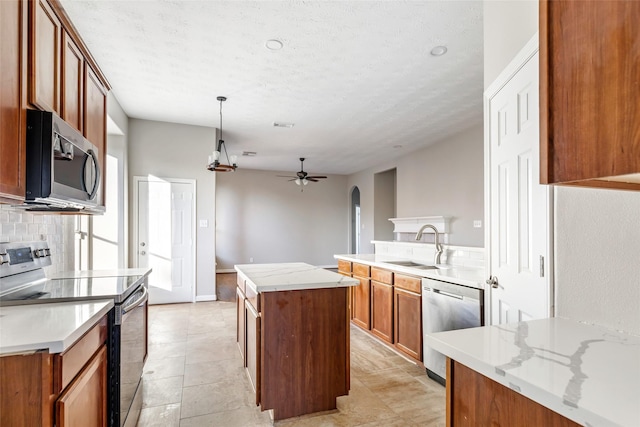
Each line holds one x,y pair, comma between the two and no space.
23,281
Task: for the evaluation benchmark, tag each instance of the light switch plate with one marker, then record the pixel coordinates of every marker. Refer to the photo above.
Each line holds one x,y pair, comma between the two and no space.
477,223
204,223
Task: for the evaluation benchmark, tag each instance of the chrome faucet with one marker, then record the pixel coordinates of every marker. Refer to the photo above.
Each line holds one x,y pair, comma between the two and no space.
437,240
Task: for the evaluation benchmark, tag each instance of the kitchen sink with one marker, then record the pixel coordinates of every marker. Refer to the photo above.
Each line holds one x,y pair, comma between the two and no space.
411,264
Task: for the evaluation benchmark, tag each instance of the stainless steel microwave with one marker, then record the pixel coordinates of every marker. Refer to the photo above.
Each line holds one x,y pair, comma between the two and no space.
63,168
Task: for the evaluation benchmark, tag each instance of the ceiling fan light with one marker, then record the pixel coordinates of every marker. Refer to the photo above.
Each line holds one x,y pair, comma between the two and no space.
298,181
304,181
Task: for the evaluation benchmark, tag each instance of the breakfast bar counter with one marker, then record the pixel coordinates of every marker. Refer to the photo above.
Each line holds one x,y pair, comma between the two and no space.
293,335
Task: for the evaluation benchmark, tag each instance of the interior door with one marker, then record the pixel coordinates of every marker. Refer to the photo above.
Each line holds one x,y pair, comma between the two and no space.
165,238
519,235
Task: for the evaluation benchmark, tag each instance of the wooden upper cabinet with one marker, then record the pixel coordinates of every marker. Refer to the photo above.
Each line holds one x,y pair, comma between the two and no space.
12,117
44,57
589,92
95,111
72,83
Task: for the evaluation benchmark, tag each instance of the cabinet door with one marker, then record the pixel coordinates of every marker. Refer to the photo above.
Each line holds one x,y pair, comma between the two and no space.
44,59
589,110
382,310
241,323
253,348
72,82
84,402
408,323
95,119
12,124
361,303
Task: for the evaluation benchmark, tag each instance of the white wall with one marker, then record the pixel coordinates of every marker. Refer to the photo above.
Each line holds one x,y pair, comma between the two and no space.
443,179
267,218
597,232
170,150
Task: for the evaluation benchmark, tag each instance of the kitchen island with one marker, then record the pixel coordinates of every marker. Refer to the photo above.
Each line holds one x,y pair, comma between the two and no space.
550,372
293,334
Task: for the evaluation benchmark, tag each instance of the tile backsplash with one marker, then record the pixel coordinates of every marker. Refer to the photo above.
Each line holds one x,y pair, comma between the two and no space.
57,230
463,256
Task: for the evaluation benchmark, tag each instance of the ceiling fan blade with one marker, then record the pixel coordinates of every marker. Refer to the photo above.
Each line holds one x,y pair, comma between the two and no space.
286,176
316,177
312,179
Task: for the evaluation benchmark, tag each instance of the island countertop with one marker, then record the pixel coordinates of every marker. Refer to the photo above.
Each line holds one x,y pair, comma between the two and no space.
586,373
291,276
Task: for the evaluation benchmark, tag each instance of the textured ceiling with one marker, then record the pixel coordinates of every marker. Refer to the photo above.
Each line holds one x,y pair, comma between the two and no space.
356,77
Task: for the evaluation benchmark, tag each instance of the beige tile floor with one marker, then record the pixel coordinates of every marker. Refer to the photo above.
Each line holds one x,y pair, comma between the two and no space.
194,377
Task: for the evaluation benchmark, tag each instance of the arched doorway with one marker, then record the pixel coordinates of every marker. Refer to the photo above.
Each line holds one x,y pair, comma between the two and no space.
355,220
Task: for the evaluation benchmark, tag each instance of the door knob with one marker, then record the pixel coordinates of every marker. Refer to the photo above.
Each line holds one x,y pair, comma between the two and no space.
493,281
142,244
143,253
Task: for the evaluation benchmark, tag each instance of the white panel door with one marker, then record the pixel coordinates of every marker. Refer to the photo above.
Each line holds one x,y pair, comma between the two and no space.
519,205
165,230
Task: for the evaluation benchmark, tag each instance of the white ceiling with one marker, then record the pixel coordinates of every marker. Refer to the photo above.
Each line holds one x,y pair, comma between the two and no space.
356,77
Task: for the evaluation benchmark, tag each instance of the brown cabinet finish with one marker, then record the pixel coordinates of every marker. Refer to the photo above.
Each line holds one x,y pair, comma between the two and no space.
475,400
12,115
84,402
408,283
361,303
344,267
44,57
304,350
254,348
241,325
589,91
360,270
382,310
408,322
382,276
70,387
72,83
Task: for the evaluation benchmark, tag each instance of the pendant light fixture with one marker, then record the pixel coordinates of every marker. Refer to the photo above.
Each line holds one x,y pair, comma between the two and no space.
214,159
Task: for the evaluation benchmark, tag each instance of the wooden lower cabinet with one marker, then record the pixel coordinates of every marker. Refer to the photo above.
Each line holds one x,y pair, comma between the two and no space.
475,400
64,389
241,325
408,322
382,311
361,303
84,402
253,348
297,349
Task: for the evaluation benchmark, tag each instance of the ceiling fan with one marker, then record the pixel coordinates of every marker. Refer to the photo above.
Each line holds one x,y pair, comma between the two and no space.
302,177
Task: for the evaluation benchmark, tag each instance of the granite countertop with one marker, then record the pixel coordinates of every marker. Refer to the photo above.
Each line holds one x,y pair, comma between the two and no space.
119,272
466,276
586,373
290,277
53,327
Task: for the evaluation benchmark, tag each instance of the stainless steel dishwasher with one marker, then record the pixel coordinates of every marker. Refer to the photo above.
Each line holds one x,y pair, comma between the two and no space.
447,306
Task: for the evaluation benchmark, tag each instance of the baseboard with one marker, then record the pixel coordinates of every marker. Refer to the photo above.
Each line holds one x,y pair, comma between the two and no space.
201,298
225,270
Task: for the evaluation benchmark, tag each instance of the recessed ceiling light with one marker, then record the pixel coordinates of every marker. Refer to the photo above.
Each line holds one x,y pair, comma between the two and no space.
249,153
439,50
397,146
274,44
283,125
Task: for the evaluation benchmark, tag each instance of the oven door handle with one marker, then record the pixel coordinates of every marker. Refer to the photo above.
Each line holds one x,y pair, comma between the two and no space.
138,302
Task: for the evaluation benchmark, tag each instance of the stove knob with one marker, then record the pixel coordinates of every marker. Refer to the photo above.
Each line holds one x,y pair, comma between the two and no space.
2,260
47,252
35,253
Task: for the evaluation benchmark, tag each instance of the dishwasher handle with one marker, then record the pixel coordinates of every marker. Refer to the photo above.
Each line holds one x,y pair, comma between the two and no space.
136,301
447,294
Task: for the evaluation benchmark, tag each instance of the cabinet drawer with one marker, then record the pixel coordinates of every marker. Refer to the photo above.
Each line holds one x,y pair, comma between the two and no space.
253,298
67,365
241,283
344,266
409,283
381,275
360,270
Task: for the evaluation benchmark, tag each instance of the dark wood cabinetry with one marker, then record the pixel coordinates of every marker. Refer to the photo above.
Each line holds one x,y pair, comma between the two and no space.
45,65
361,303
382,304
475,400
408,322
44,60
65,389
13,22
589,90
253,347
72,83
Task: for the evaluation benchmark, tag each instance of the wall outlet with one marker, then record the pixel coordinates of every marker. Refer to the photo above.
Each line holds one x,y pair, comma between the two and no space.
204,223
477,223
251,259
